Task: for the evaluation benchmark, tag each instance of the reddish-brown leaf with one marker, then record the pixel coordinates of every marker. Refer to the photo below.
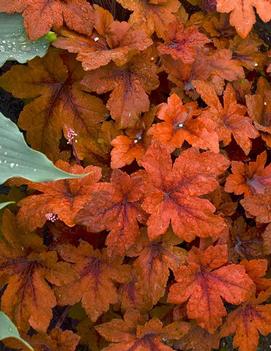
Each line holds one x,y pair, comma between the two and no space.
182,43
152,15
57,102
56,340
182,124
133,334
198,339
230,118
116,207
130,86
258,206
152,265
41,15
259,109
94,285
247,322
27,268
116,41
256,269
205,281
62,199
242,15
216,65
249,178
132,146
172,192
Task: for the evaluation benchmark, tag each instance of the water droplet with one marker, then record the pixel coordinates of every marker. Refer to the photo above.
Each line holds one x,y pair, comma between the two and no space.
5,153
2,48
12,165
0,161
5,161
16,165
35,169
25,48
4,42
21,39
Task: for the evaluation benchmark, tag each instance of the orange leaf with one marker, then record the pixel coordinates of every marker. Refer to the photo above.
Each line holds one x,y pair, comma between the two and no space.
216,64
27,268
258,206
259,109
182,124
247,322
152,265
152,15
242,15
249,178
130,85
172,192
56,340
62,199
57,100
117,42
205,281
116,207
256,270
40,16
230,118
132,146
131,334
182,43
198,339
94,286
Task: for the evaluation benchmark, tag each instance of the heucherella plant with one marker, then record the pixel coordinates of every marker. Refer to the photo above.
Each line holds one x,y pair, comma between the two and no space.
137,175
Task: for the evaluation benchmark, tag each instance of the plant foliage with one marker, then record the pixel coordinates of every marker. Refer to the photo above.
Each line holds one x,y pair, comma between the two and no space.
159,113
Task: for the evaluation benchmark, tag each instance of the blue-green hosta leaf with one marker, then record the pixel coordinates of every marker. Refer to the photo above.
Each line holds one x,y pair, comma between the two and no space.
9,330
17,159
14,44
4,204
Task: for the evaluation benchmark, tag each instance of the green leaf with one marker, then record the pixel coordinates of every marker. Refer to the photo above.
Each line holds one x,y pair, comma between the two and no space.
9,330
14,44
17,159
4,204
51,36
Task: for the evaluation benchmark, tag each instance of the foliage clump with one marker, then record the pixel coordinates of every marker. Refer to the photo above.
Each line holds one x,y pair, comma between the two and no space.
165,244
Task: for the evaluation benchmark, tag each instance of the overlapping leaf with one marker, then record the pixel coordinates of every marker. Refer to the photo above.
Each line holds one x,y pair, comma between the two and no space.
115,206
57,101
205,281
27,268
182,124
132,334
229,118
153,16
173,192
114,41
60,200
40,16
95,284
242,15
249,178
130,85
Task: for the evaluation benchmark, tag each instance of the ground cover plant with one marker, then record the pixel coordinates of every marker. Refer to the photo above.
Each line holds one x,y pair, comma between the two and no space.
163,241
